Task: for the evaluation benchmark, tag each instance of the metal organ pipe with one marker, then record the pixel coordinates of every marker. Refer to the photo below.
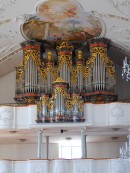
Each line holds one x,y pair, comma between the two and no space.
80,80
65,72
104,76
97,82
101,79
49,81
98,74
88,84
60,104
94,75
26,79
33,77
57,104
30,77
103,67
99,71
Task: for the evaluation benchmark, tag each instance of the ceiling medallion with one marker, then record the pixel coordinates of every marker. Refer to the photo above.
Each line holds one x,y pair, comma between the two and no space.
61,20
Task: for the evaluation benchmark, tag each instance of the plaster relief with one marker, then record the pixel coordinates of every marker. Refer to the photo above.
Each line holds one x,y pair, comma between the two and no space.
121,5
82,166
4,4
117,113
6,116
5,167
118,168
39,168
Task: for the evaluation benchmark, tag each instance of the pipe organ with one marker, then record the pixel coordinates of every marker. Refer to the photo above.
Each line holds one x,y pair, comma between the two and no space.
100,74
60,86
27,76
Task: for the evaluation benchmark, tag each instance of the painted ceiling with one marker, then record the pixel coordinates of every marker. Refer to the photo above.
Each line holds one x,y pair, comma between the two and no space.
57,20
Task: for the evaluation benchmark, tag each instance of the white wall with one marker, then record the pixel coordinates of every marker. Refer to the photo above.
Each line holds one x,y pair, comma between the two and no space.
104,149
29,151
26,151
7,88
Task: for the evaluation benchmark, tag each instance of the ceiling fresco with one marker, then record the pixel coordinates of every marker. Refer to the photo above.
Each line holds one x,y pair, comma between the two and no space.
58,20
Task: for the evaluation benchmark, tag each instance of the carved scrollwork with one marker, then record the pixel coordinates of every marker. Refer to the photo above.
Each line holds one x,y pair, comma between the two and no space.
51,104
107,62
111,68
64,58
34,54
39,107
80,105
87,72
55,73
44,100
75,99
69,104
59,90
19,73
50,63
43,73
74,76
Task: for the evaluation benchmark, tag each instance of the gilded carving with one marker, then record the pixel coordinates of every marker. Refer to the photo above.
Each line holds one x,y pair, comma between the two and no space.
108,63
51,104
65,45
34,54
50,63
75,99
69,104
74,76
43,73
19,73
44,100
55,73
64,58
39,107
59,90
80,105
30,100
86,72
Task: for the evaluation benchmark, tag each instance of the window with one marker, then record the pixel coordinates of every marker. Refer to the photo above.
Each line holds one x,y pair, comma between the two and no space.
70,150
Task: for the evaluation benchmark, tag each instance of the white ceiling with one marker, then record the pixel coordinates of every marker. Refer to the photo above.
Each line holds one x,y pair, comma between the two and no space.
114,16
115,19
94,134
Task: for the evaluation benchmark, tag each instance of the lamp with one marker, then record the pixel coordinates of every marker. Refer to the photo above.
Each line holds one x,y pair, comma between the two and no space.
126,70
